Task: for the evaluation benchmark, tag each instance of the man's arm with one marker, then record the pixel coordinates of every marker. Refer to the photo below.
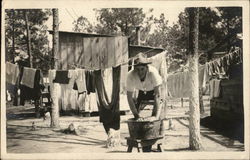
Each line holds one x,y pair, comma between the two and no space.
132,104
158,103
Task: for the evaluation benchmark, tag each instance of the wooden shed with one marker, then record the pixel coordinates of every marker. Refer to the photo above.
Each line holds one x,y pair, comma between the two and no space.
91,51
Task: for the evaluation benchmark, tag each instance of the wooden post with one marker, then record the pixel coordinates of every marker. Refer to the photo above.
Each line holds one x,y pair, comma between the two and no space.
55,105
28,38
202,109
194,120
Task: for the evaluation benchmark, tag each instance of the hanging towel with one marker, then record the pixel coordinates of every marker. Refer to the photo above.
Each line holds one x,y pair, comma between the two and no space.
217,88
109,111
81,101
28,77
205,76
28,93
178,84
159,62
90,82
124,73
72,75
12,73
55,88
214,86
61,77
81,80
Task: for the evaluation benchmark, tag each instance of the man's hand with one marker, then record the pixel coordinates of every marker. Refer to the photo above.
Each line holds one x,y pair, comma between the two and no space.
137,116
140,119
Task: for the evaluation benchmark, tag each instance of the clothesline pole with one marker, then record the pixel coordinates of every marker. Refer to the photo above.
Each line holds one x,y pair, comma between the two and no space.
55,105
194,119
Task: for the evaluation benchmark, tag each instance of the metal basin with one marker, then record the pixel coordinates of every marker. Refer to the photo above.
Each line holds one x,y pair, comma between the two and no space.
144,129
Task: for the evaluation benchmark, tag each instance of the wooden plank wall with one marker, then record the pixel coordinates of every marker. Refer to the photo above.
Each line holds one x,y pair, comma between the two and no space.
92,53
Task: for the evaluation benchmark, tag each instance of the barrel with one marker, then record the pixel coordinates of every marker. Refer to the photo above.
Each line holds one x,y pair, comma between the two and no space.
144,129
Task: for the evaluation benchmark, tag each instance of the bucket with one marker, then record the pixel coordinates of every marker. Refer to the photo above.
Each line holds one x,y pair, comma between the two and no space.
144,129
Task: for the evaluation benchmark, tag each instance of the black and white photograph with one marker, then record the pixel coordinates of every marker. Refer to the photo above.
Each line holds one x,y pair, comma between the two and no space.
125,80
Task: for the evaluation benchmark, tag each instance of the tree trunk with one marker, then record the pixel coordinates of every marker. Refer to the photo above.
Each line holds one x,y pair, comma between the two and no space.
13,35
194,120
54,88
28,39
15,100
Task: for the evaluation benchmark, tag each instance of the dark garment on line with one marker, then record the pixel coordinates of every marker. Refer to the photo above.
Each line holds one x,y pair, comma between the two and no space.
27,93
61,77
75,86
90,82
109,111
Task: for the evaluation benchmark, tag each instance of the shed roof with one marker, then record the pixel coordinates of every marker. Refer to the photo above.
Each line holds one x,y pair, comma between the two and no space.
150,51
83,34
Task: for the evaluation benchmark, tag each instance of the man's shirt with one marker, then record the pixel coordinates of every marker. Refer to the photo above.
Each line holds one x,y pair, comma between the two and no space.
151,80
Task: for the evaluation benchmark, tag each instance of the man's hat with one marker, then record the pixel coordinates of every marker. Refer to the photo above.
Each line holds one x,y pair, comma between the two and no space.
141,59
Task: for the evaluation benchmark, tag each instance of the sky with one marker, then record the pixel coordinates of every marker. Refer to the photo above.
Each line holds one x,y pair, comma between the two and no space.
68,15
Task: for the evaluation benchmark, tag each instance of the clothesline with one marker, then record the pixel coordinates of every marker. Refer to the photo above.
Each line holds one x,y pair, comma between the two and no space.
81,66
178,83
227,56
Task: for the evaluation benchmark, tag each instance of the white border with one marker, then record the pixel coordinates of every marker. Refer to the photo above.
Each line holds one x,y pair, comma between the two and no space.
148,4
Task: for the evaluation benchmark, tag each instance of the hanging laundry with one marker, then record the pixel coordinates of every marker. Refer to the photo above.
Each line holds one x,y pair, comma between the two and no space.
159,62
66,102
81,101
12,73
34,93
107,83
214,86
90,82
72,75
81,80
109,111
55,89
28,77
61,77
178,84
206,76
124,73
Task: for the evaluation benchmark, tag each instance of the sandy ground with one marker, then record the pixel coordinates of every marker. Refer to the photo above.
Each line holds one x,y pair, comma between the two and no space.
22,139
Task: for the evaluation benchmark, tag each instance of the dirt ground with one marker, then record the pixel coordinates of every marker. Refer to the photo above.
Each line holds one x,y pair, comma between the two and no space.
22,139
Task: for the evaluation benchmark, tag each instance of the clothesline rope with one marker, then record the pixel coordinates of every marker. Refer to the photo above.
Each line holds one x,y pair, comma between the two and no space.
78,65
231,53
